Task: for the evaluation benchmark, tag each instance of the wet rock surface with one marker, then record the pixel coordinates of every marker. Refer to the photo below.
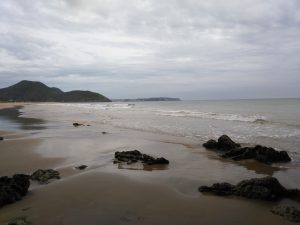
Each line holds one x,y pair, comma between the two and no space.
234,151
267,188
43,176
135,156
12,189
19,221
1,138
77,124
82,167
290,213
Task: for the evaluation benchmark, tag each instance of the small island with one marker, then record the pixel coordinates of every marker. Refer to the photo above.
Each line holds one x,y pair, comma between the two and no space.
147,99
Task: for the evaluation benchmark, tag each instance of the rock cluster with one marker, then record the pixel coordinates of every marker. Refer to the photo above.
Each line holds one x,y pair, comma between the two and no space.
267,188
290,213
234,151
43,176
13,188
136,156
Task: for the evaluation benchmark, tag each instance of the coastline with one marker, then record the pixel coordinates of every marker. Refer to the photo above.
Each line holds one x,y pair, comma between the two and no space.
106,194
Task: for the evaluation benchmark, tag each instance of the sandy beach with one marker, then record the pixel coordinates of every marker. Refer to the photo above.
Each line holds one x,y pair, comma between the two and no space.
106,193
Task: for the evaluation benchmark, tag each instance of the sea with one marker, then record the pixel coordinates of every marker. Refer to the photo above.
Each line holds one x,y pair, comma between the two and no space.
270,122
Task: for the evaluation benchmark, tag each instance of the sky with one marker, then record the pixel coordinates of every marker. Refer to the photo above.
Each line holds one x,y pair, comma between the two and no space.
192,49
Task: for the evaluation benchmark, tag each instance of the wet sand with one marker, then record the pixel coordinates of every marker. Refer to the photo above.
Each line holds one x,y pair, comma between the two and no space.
106,194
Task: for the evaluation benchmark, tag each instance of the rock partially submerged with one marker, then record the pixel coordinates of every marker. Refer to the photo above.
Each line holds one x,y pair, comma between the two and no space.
43,176
234,151
12,189
77,124
267,188
290,213
82,167
134,156
224,143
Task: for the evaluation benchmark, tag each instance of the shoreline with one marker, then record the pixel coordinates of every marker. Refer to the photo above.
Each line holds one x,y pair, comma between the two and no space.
103,193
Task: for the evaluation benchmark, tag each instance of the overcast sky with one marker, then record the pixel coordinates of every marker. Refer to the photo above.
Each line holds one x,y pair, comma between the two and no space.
192,49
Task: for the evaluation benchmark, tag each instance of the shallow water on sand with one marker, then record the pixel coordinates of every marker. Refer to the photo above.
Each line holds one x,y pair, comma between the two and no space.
143,126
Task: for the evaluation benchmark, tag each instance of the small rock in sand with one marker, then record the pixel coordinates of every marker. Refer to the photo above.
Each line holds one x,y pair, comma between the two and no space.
77,124
134,156
82,167
1,138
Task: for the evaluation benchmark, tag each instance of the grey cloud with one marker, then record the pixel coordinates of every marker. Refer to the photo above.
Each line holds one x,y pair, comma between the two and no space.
190,49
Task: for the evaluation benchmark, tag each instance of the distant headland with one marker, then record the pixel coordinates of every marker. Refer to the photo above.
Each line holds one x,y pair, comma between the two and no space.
35,91
147,99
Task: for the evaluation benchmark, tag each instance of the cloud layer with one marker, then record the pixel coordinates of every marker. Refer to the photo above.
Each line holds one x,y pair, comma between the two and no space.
140,48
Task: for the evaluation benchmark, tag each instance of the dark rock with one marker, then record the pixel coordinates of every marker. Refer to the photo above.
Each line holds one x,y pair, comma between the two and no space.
136,156
290,213
218,189
13,188
211,144
43,176
82,167
161,160
19,221
77,124
267,188
225,143
1,138
260,153
104,132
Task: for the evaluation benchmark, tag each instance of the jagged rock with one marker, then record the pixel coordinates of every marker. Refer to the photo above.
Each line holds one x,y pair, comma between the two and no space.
13,188
290,213
233,151
267,188
134,156
82,167
43,176
1,138
77,124
19,221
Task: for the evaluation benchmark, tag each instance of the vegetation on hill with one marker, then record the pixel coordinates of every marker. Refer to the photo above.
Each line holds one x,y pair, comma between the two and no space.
34,91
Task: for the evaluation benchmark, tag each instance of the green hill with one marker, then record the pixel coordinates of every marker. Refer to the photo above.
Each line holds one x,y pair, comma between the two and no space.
34,91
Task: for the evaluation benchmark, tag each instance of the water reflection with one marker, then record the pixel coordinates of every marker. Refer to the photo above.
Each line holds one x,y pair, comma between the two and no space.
251,165
12,115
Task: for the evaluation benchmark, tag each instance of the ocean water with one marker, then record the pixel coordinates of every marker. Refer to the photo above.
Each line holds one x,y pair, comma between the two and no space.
271,122
174,130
